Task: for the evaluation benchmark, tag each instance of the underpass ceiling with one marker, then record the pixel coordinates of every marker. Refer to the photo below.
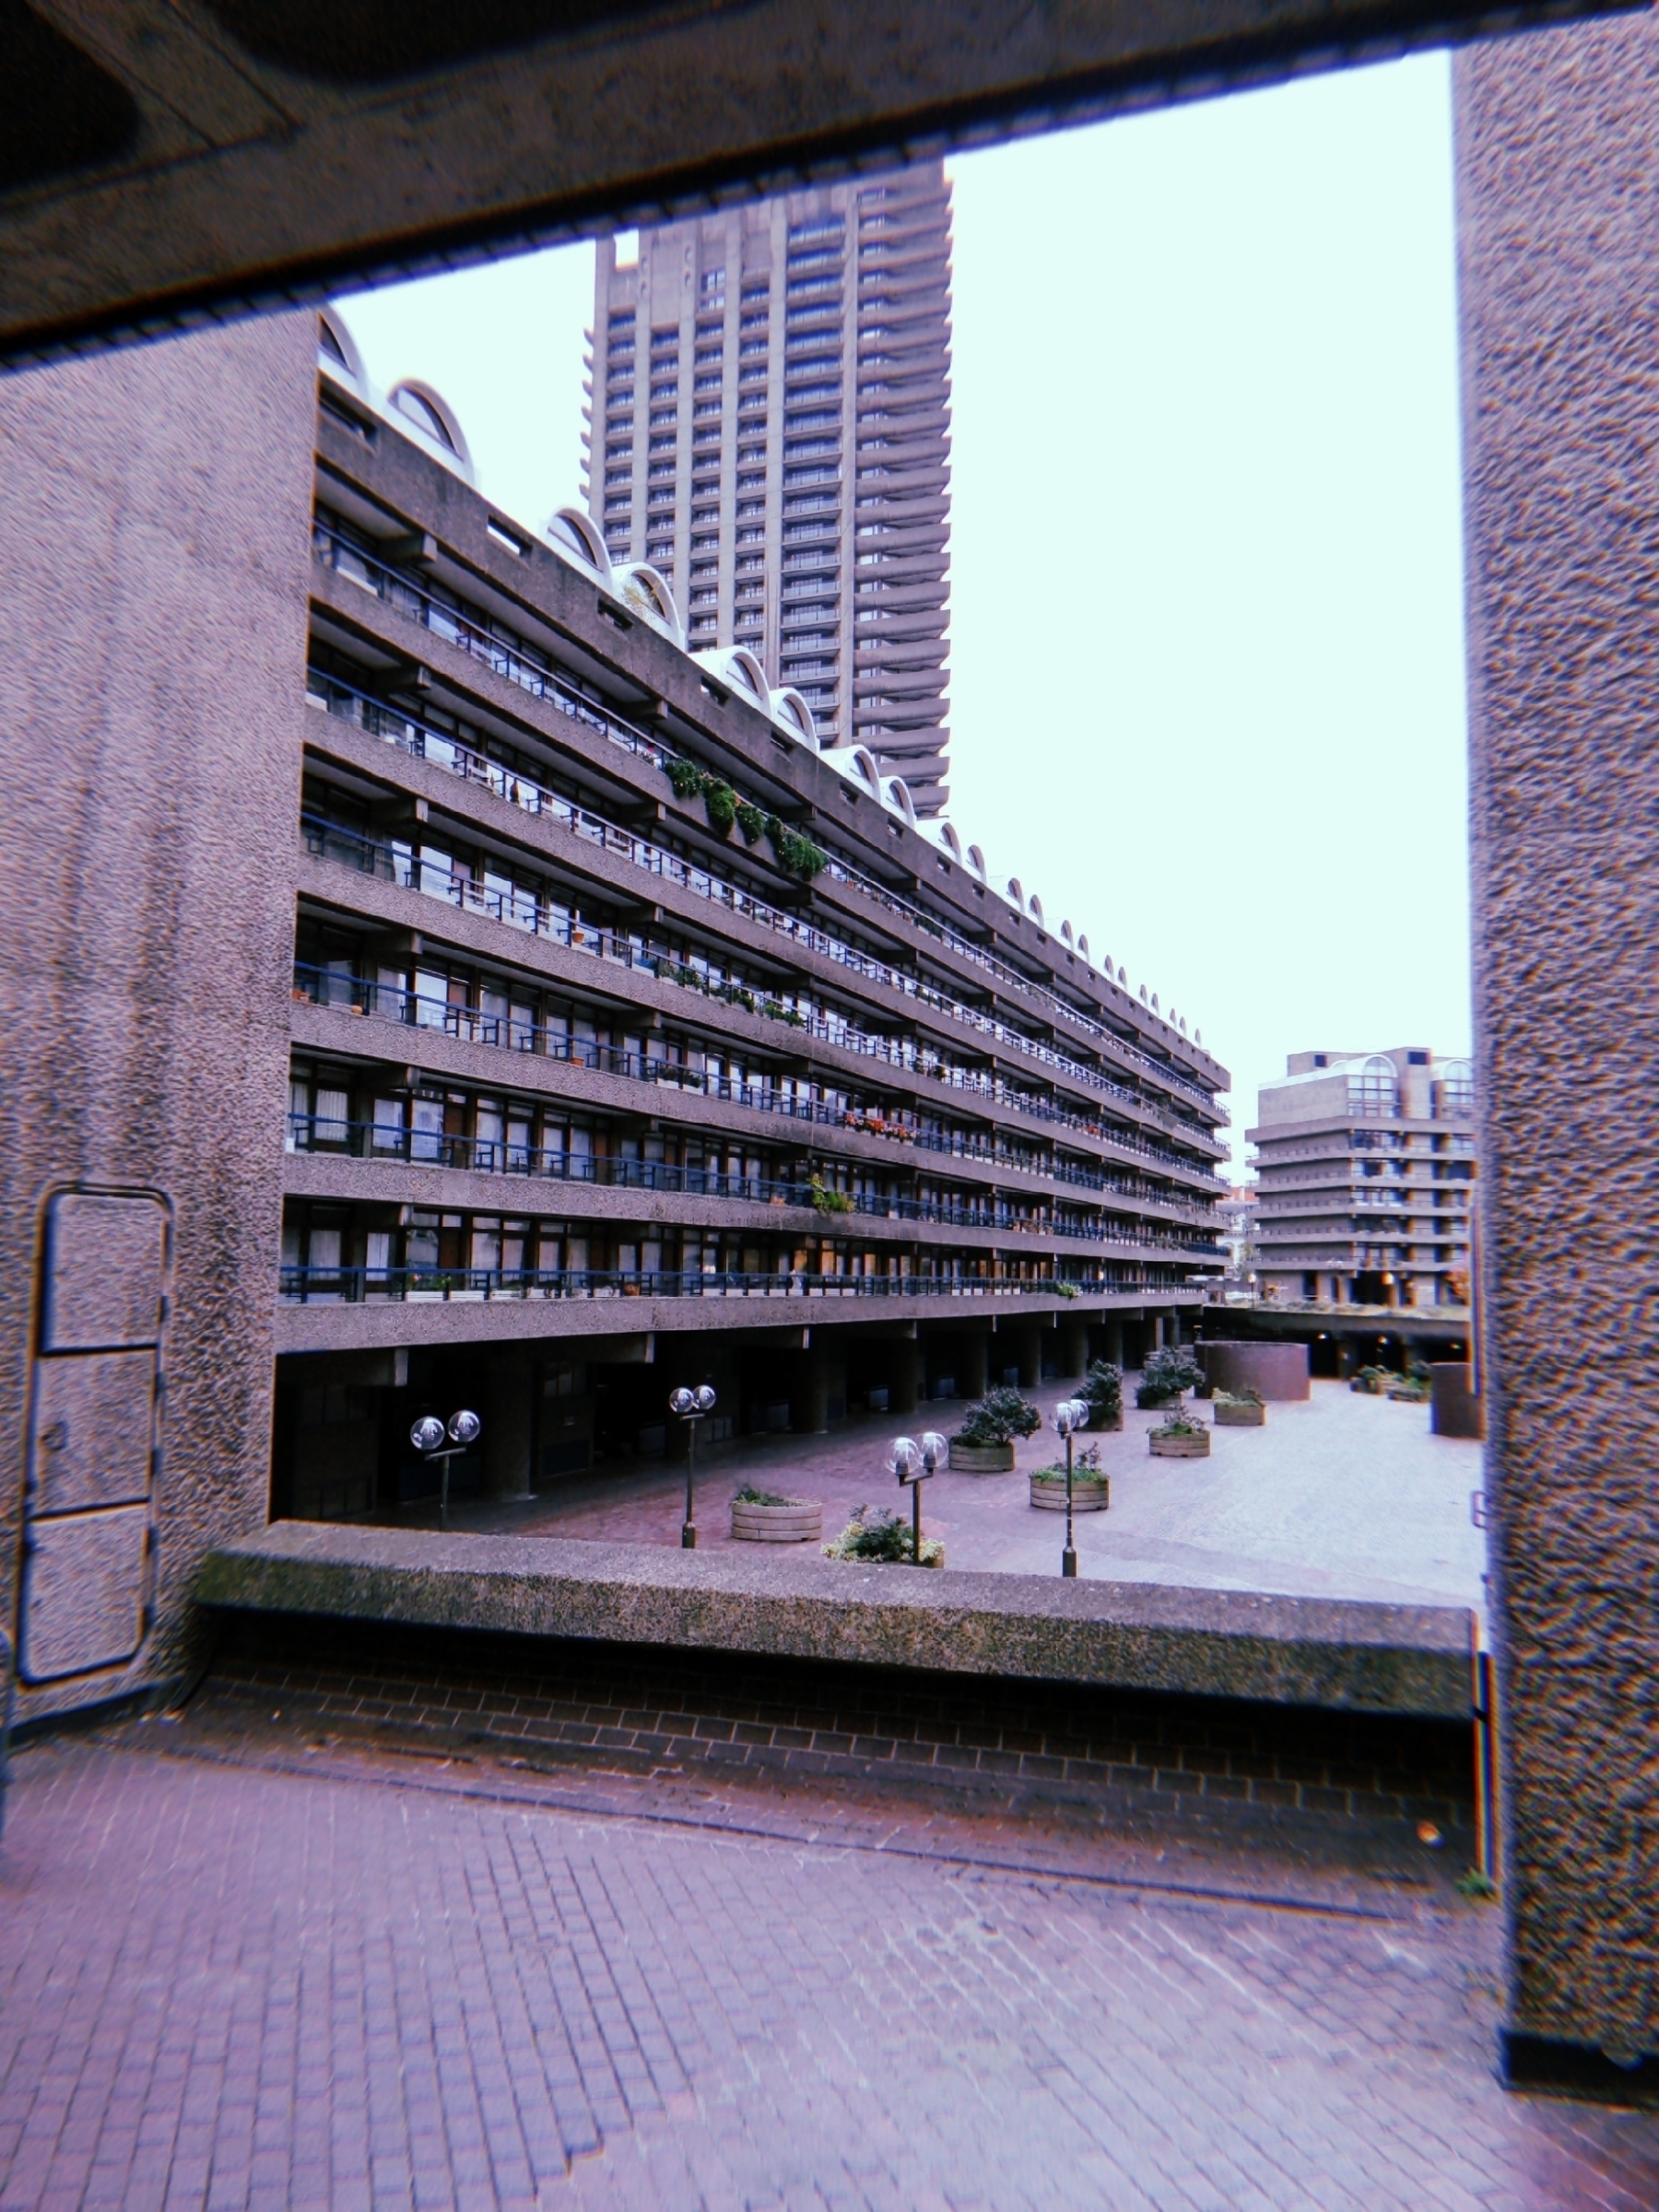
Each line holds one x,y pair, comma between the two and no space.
166,162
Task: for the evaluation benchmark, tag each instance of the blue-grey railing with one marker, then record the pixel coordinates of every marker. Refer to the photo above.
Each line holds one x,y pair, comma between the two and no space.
351,1286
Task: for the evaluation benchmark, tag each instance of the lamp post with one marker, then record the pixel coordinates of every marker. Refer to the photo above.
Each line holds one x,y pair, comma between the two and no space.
1068,1417
443,1441
915,1464
690,1406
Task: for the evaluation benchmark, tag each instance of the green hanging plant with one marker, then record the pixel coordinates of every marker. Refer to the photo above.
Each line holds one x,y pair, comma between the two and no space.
686,778
751,820
720,804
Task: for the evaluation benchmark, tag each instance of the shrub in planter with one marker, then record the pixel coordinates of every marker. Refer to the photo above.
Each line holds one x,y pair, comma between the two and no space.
1169,1370
1373,1381
984,1442
885,1538
1240,1409
686,778
1102,1393
826,1201
751,821
720,804
1091,1489
764,1517
1180,1436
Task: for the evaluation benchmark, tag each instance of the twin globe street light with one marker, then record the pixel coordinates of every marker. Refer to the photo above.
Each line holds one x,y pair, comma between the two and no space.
691,1406
915,1464
1068,1417
444,1440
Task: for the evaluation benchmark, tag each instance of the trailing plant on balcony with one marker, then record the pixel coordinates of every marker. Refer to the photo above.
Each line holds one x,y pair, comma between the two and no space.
751,820
1169,1370
885,1538
1067,1289
796,854
1102,1393
720,804
997,1418
826,1201
686,778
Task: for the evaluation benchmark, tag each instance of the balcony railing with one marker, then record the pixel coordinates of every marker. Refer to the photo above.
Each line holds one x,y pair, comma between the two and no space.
327,987
520,663
356,1286
501,1156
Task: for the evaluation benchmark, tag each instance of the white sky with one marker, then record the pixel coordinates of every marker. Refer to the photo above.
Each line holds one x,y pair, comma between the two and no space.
1206,599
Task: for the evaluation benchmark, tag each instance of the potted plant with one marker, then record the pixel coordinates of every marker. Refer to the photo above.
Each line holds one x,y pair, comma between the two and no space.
1091,1488
1415,1386
1244,1408
984,1442
1371,1380
1102,1393
1181,1437
763,1517
885,1538
1169,1370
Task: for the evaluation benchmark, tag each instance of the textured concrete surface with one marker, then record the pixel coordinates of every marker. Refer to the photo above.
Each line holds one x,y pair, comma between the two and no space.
1558,188
752,1598
306,1981
152,639
1274,1371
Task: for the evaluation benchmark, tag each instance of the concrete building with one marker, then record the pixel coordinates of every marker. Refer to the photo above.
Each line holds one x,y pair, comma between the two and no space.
473,996
1366,1179
769,427
1237,1214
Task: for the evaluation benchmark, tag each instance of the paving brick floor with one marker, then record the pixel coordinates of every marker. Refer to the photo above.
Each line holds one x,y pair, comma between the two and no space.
1341,1496
300,1976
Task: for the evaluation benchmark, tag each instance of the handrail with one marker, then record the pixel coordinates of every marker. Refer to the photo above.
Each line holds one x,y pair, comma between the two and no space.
356,1286
395,1143
443,750
411,870
325,987
474,632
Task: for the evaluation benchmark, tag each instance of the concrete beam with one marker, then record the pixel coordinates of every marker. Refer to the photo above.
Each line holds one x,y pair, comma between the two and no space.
1344,1656
181,165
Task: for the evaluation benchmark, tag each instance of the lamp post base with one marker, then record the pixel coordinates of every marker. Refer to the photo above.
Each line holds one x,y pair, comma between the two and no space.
688,1537
1068,1564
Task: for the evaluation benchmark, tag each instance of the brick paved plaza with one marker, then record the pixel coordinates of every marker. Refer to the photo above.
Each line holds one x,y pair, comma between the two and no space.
271,1971
1344,1496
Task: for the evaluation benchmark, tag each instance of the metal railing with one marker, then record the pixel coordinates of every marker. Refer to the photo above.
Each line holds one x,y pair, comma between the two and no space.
471,631
354,1286
414,1146
398,1003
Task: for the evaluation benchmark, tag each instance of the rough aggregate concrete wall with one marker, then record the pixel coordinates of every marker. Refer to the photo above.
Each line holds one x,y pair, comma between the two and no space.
154,541
1558,154
1278,1372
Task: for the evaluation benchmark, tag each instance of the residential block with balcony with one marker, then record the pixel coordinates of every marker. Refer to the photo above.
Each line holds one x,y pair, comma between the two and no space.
637,1039
1366,1168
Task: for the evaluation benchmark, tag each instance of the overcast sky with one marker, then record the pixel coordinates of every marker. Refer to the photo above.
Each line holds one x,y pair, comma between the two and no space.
1207,652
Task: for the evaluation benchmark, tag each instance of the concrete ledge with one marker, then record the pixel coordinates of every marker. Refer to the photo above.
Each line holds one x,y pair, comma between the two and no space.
1335,1654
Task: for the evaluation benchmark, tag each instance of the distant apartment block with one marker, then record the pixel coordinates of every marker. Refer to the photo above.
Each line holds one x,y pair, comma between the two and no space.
768,427
1366,1172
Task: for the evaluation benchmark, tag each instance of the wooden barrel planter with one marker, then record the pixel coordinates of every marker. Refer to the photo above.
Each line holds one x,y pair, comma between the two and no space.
980,1459
1090,1493
1239,1413
1180,1447
801,1521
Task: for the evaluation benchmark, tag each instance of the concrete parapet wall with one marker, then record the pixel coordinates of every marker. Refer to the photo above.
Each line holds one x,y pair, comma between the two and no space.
1274,1371
1343,1656
1454,1409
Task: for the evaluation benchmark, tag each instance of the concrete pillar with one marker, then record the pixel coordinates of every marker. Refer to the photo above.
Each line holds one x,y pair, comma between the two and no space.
1158,1332
1029,1343
509,1418
1555,149
973,1366
904,1377
1074,1345
1111,1339
809,1393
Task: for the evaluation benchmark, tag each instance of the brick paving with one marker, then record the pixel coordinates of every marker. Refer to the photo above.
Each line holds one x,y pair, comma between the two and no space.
1342,1495
291,1976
